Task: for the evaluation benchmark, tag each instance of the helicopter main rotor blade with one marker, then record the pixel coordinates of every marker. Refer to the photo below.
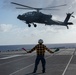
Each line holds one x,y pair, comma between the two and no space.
29,8
24,8
23,5
39,9
48,9
57,6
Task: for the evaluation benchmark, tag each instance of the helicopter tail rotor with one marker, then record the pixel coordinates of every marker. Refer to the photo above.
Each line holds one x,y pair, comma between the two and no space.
67,19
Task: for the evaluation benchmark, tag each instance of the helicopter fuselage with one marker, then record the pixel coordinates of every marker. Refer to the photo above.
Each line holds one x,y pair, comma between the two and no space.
39,17
34,17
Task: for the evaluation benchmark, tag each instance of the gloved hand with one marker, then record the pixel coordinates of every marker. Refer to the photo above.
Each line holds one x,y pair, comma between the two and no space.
57,50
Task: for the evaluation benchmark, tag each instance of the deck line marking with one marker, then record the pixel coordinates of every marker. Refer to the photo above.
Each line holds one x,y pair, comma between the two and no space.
68,63
13,61
10,56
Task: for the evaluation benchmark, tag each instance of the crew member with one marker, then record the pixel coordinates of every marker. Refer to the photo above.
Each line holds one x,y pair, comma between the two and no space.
40,50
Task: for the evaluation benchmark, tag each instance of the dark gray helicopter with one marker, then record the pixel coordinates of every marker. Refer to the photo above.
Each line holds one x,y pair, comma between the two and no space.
39,17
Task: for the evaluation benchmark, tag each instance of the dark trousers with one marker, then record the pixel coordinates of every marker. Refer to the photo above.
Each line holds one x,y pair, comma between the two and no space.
38,58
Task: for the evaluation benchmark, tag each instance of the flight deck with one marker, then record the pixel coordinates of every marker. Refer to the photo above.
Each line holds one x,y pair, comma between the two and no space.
62,62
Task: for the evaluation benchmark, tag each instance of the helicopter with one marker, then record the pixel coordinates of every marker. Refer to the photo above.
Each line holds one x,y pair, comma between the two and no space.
39,17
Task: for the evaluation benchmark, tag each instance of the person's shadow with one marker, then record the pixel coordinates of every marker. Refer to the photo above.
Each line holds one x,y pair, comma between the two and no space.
33,73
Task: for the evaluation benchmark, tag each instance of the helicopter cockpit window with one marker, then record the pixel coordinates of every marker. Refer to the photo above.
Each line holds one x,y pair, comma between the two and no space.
29,13
24,14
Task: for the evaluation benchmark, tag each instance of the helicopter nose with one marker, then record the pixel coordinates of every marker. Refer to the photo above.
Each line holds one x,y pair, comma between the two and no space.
19,17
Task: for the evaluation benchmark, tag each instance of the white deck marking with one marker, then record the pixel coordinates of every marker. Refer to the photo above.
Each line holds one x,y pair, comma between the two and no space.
68,63
10,56
13,61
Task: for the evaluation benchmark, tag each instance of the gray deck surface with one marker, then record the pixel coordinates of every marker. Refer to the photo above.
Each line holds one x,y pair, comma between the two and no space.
20,63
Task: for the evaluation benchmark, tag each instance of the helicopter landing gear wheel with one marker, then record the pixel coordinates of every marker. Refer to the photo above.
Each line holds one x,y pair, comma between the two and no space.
35,25
29,25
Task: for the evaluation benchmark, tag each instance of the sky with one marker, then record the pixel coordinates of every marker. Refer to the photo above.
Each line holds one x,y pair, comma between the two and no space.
14,31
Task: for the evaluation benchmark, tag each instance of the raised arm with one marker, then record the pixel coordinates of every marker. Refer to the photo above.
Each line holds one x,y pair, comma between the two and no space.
48,50
33,49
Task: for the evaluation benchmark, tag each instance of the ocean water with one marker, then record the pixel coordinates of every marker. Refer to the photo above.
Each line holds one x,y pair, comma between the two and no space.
15,47
30,46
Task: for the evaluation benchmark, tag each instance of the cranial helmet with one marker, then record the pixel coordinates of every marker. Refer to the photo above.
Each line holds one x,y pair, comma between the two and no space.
40,41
